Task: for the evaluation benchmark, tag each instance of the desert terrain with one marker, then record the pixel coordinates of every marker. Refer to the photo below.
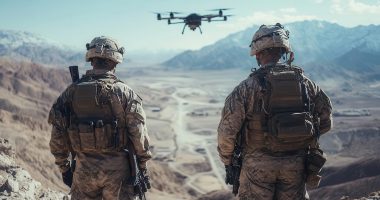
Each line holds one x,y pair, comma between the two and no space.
183,109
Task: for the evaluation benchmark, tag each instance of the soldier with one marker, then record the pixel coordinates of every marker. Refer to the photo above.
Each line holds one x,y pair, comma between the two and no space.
280,115
94,118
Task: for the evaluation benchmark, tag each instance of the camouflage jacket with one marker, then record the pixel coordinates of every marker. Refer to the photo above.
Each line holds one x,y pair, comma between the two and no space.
135,122
241,102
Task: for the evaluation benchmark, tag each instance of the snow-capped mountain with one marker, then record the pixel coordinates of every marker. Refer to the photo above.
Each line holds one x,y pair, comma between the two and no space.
315,43
29,46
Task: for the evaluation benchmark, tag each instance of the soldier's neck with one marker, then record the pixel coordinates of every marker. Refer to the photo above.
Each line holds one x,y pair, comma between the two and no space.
100,71
268,64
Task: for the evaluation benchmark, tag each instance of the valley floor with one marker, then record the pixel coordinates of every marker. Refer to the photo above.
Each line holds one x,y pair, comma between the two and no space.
183,110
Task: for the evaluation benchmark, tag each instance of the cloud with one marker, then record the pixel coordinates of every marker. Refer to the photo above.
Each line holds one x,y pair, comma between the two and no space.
360,7
288,10
318,1
336,6
354,6
284,15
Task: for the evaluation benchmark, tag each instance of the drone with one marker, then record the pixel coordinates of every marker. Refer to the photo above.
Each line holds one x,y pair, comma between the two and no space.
194,20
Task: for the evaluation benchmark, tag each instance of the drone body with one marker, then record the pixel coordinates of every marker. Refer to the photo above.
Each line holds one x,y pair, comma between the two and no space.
193,20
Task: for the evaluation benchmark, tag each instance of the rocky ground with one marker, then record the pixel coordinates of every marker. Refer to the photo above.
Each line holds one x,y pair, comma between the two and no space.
16,183
372,196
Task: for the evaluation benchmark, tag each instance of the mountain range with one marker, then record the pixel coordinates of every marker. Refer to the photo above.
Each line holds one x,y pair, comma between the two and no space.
320,47
22,45
27,46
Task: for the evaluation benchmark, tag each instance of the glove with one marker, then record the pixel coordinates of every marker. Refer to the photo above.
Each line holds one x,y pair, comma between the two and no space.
67,177
144,171
146,177
228,174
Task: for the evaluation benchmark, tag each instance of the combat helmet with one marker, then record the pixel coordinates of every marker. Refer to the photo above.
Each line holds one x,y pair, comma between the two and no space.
104,47
270,36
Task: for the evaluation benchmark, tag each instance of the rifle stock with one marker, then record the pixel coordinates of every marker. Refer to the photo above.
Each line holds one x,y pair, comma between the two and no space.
236,169
74,73
140,182
237,161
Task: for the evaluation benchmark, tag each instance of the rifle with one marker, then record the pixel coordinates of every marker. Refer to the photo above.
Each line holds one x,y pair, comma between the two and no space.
140,182
74,73
234,169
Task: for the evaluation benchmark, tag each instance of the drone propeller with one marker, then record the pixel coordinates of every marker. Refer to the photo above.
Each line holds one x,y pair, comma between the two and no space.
158,15
165,12
228,15
221,9
174,12
171,15
220,13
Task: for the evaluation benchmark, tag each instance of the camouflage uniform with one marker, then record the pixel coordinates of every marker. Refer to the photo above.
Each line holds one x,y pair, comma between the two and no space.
265,175
100,174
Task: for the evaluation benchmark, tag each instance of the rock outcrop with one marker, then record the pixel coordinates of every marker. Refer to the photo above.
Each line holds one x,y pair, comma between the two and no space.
372,196
16,183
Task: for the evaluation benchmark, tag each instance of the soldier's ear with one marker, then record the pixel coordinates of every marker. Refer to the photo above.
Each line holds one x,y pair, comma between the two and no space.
259,56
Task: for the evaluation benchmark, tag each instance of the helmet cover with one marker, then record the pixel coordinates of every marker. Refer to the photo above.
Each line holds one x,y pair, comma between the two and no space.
270,36
104,47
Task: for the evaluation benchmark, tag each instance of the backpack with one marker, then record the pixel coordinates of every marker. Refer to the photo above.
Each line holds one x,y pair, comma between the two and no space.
97,120
282,119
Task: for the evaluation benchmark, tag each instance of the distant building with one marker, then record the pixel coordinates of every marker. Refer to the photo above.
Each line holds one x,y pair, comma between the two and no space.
352,113
156,109
153,108
199,113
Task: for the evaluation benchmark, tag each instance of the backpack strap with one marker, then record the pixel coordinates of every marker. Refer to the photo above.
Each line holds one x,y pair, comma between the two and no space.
259,75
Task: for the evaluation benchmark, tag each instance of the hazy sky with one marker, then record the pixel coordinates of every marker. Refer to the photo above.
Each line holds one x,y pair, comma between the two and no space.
75,22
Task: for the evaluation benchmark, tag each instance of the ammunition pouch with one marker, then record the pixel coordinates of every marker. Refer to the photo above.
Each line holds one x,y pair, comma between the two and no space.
315,160
291,127
313,180
102,137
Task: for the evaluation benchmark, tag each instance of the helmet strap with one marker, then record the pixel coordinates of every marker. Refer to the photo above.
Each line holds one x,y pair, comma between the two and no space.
258,61
291,58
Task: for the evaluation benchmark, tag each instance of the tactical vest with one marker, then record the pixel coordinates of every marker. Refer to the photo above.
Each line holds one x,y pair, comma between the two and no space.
281,120
97,122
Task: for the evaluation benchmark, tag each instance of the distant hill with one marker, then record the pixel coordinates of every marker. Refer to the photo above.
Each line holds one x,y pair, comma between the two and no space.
29,89
321,48
27,46
355,180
